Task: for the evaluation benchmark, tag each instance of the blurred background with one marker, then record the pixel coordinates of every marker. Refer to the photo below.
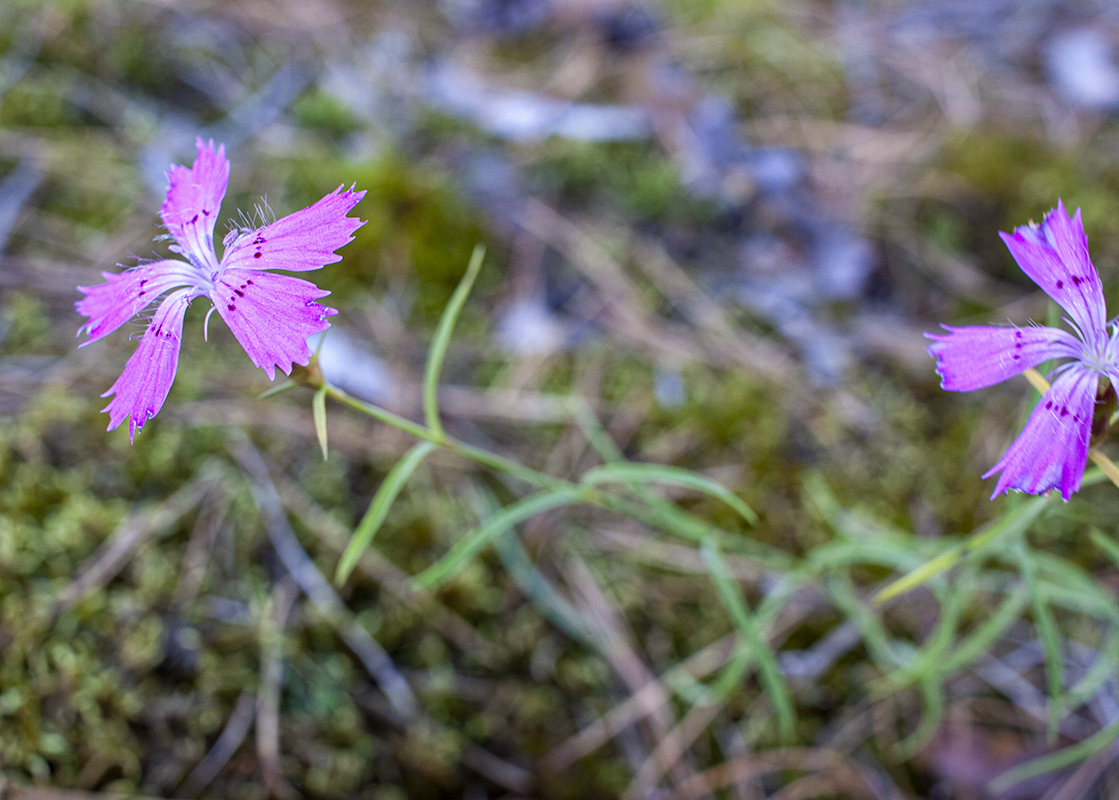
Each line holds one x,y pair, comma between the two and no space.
723,224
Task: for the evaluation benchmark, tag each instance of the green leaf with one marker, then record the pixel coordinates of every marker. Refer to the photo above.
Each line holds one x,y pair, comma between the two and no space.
1047,630
318,410
279,388
980,640
541,593
769,671
887,653
1016,521
442,340
379,508
1105,543
629,473
1055,761
476,541
932,714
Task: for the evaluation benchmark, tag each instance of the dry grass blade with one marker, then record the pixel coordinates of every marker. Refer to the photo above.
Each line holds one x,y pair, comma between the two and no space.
833,765
634,321
197,554
638,705
317,588
390,577
230,738
631,668
721,337
1084,778
284,595
628,317
672,748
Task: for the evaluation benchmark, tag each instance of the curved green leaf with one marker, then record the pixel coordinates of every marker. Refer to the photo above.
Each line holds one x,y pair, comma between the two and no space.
769,671
476,541
379,508
630,473
318,411
442,340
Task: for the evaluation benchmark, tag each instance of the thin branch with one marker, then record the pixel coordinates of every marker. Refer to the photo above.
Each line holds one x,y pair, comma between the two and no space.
317,588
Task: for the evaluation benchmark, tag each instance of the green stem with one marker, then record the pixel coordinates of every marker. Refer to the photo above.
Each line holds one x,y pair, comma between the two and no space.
662,517
529,475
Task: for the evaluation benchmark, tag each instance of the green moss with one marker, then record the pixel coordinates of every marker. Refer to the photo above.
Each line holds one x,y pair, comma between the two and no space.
29,325
37,103
634,178
324,113
1025,177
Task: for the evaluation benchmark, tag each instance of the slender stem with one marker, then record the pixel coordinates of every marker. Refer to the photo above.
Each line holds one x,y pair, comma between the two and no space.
1105,464
666,517
484,457
1037,380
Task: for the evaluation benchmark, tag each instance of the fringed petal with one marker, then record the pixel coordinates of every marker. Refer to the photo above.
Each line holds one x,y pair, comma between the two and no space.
1055,256
978,356
305,240
140,390
1052,450
271,316
193,201
125,294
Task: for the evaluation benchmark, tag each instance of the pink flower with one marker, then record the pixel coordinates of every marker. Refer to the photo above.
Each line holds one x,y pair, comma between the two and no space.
1052,450
271,315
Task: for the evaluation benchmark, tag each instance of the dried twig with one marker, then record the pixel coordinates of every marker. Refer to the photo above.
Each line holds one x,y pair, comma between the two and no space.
639,704
284,595
323,597
390,577
197,555
230,738
835,765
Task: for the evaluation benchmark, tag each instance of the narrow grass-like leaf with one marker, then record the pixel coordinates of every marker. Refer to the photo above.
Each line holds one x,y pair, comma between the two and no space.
670,518
318,411
927,663
442,340
476,541
540,591
1106,465
1067,585
627,473
279,388
932,714
769,671
664,514
1101,671
597,436
1047,630
1102,738
1015,521
1109,546
848,553
882,649
728,680
980,640
379,508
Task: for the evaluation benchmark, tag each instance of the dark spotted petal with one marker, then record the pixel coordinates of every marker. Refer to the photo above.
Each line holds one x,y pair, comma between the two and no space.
978,356
1055,256
1052,450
